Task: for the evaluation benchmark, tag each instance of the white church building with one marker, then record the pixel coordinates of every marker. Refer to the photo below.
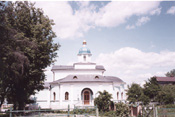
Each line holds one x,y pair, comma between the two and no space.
78,84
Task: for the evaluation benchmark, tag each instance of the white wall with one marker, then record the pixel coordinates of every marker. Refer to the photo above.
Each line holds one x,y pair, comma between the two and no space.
62,73
75,97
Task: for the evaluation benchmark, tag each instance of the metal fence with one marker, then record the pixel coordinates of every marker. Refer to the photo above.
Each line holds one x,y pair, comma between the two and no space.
166,112
77,111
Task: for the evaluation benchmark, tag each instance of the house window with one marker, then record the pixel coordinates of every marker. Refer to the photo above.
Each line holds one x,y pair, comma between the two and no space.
54,96
96,77
122,95
75,77
117,95
66,96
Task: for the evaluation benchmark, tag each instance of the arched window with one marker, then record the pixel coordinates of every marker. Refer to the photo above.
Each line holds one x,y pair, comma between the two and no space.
96,77
117,95
122,96
84,58
66,96
75,77
54,96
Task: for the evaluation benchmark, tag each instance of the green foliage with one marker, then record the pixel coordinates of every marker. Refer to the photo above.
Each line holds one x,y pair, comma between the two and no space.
122,110
152,91
168,106
166,95
26,49
171,73
151,88
134,93
109,114
103,100
144,99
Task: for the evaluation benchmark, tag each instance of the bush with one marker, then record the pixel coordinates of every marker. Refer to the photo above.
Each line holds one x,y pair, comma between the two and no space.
122,110
110,114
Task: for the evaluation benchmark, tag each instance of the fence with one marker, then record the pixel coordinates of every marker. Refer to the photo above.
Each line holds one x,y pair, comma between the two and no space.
159,112
166,112
76,111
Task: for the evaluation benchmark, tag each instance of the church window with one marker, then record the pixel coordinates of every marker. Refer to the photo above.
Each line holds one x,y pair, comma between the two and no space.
117,95
75,77
122,95
84,58
96,77
54,96
66,96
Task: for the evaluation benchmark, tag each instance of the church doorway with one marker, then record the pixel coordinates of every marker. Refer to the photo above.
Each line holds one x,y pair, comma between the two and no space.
87,96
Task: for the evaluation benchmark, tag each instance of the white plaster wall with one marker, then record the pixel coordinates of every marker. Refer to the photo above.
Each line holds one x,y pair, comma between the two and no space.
43,98
62,73
81,58
79,66
75,92
75,97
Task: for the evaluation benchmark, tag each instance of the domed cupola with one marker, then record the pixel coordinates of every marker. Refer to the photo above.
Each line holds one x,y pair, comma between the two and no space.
84,49
84,54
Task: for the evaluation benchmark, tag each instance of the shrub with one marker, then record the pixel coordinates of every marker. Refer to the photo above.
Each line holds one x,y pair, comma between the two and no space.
122,110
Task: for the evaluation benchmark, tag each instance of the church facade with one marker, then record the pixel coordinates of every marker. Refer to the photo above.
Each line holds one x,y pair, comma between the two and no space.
78,84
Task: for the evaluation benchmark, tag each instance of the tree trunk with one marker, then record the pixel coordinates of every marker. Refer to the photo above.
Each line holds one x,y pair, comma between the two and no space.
2,101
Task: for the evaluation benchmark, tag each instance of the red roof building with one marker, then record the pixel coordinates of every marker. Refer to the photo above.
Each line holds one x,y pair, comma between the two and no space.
166,80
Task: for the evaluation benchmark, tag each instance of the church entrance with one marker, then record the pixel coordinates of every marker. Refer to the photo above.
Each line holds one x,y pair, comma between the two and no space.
86,97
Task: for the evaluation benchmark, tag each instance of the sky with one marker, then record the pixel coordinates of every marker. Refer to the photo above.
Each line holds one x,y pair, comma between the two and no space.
132,40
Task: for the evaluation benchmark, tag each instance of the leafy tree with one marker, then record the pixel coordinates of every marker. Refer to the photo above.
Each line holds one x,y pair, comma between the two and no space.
171,73
122,110
166,95
144,99
103,100
151,88
135,94
26,49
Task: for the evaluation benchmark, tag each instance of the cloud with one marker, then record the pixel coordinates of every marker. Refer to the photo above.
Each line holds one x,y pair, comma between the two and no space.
171,10
116,13
134,65
142,21
74,22
130,27
156,11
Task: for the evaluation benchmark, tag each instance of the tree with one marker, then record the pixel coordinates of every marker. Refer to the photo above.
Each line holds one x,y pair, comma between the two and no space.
171,73
151,88
166,94
103,100
27,41
12,59
135,94
122,110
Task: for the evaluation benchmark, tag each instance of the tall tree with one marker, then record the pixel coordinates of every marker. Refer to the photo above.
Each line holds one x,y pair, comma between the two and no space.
171,73
103,100
166,95
151,88
29,49
135,94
